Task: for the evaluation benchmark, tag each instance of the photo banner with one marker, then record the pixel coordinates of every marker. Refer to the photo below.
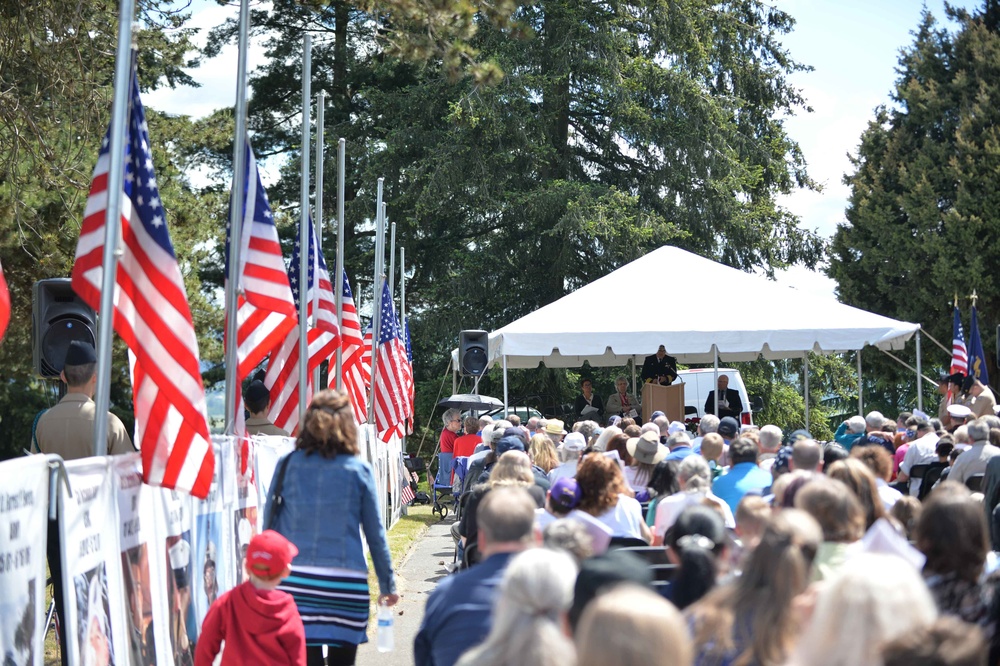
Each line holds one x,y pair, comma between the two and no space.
268,450
212,531
145,597
24,506
246,517
174,548
95,625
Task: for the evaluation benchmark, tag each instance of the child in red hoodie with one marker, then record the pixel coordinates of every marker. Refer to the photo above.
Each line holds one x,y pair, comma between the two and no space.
260,624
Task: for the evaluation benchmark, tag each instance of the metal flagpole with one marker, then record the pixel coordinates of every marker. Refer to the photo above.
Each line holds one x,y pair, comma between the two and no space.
715,364
338,279
237,204
920,379
320,149
392,259
805,369
377,302
304,228
861,398
402,288
112,221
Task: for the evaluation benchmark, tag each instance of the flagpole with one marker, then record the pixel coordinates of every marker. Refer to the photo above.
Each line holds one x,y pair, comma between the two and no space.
402,287
338,287
112,222
320,149
377,302
304,230
392,258
237,201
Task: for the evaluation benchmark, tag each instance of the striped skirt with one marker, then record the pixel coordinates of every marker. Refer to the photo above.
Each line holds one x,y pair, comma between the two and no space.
334,603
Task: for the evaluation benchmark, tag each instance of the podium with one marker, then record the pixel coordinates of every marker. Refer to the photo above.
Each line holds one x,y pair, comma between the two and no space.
667,399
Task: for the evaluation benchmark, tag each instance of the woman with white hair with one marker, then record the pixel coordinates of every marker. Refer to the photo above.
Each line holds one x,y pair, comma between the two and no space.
536,592
871,600
695,479
621,402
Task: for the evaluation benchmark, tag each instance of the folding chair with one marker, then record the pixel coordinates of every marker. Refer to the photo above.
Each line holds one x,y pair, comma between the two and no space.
442,485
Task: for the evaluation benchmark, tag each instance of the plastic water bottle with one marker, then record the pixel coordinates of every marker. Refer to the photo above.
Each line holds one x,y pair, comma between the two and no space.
384,635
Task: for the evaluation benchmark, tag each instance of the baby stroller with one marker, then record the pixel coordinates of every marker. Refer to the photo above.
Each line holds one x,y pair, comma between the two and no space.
441,488
414,466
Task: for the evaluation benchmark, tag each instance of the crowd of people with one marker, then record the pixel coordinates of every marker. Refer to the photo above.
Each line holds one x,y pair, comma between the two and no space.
642,543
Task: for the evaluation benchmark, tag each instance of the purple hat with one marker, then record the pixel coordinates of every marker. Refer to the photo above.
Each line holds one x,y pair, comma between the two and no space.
565,494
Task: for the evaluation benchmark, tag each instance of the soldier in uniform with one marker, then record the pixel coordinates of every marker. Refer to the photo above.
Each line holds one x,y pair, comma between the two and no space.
659,368
258,401
68,428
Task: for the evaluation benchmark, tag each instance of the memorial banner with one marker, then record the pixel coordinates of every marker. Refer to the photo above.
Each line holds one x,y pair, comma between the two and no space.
174,548
212,530
24,505
142,571
246,518
94,622
268,449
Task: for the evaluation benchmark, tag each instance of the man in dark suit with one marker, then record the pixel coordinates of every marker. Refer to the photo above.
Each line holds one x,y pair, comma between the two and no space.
659,368
729,400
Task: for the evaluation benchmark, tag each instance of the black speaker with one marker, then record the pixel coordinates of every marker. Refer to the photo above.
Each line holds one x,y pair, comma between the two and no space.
58,317
473,352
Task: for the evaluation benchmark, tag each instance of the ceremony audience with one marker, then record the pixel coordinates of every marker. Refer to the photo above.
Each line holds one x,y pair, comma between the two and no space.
604,496
530,610
753,619
631,626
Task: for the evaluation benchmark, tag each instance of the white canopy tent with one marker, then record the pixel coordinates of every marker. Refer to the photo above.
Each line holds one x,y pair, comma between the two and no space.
700,310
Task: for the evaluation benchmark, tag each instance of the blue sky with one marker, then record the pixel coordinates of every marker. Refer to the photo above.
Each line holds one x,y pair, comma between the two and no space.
853,46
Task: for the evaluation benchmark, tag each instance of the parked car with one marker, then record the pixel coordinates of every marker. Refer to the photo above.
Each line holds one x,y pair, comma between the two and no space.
699,382
524,412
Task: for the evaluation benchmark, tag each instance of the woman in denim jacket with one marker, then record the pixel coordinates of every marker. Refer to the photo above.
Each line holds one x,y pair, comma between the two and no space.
327,493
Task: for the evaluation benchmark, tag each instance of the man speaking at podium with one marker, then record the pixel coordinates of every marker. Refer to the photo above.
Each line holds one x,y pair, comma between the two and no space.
659,368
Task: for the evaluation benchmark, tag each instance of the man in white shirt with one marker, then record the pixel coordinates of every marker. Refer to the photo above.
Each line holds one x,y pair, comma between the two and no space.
922,451
973,461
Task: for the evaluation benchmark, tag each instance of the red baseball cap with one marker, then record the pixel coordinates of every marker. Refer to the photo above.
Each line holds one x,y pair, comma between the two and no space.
269,553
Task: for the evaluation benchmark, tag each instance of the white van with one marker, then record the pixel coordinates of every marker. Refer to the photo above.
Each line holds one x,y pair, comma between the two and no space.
699,382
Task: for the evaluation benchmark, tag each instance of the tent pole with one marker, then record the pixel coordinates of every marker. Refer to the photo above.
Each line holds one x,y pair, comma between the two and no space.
861,399
505,404
715,365
633,375
805,370
920,379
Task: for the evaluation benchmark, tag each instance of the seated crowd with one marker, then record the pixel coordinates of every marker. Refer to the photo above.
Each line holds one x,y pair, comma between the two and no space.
640,544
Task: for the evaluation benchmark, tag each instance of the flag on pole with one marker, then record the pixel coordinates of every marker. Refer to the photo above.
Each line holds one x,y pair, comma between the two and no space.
410,388
356,379
959,354
151,315
282,377
977,360
4,304
389,383
406,494
266,308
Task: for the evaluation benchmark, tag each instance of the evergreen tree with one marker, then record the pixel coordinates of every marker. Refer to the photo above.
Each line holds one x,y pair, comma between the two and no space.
923,219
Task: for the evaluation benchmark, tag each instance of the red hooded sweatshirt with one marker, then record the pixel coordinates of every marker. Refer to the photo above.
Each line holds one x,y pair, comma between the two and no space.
259,627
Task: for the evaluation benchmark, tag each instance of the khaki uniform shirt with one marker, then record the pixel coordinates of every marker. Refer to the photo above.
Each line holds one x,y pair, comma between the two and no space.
983,403
68,429
259,425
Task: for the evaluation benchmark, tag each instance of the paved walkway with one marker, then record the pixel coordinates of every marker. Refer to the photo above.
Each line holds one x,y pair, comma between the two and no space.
415,578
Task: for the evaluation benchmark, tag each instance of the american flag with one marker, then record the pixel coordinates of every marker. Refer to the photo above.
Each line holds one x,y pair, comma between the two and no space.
389,384
357,378
266,308
283,369
410,388
406,494
151,315
959,354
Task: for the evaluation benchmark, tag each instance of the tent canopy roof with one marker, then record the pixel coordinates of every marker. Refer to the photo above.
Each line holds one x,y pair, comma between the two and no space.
688,304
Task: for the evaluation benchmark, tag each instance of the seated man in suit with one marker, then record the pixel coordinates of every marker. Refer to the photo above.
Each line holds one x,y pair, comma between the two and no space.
659,368
729,400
